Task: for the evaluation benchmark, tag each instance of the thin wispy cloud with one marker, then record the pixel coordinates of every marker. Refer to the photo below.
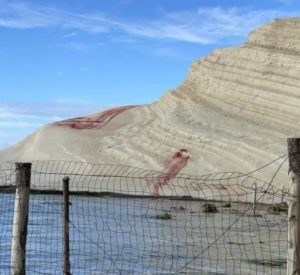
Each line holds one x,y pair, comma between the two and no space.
69,35
24,16
286,2
46,110
19,115
12,118
203,25
15,124
18,119
79,46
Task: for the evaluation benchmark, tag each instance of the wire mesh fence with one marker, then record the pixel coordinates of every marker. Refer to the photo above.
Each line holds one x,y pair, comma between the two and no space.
125,220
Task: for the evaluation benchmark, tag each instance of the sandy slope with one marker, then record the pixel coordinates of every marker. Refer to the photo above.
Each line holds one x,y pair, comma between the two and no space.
233,113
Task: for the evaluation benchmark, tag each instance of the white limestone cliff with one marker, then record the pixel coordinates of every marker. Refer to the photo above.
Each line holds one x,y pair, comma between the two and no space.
233,112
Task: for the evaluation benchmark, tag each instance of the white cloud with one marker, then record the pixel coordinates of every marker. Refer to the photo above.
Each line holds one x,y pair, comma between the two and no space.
8,138
69,35
203,25
79,46
286,2
45,110
19,119
18,124
23,16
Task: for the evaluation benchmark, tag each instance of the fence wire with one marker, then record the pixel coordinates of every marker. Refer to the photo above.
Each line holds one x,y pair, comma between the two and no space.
124,220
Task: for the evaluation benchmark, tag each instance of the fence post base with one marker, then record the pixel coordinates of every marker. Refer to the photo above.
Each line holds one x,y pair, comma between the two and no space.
293,264
20,221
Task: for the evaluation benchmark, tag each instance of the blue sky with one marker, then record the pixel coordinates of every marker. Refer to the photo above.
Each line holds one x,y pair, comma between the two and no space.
66,58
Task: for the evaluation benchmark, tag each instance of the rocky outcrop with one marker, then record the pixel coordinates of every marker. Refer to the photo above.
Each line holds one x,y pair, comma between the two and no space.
233,113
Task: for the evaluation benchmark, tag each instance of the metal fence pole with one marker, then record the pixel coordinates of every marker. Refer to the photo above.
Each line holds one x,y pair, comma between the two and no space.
66,220
282,195
293,264
20,220
254,187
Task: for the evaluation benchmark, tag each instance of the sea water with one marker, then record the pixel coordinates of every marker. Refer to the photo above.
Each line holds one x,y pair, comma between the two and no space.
119,235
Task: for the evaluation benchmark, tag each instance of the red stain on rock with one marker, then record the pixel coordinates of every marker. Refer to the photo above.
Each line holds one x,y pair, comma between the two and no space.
94,122
173,167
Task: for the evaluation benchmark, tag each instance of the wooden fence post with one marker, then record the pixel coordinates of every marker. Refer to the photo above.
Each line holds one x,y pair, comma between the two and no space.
293,264
66,221
20,220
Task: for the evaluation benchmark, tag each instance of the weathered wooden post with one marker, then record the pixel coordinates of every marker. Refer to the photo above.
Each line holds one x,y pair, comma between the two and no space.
66,221
20,220
293,264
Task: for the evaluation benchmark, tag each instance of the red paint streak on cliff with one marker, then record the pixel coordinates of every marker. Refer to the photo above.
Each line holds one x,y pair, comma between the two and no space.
173,167
94,122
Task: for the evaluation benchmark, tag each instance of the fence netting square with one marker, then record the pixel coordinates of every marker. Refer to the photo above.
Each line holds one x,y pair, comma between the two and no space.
125,220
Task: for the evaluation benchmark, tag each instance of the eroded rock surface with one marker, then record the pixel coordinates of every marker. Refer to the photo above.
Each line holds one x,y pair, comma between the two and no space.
233,113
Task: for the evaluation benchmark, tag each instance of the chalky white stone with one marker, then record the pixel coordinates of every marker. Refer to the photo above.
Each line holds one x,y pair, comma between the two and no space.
234,112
